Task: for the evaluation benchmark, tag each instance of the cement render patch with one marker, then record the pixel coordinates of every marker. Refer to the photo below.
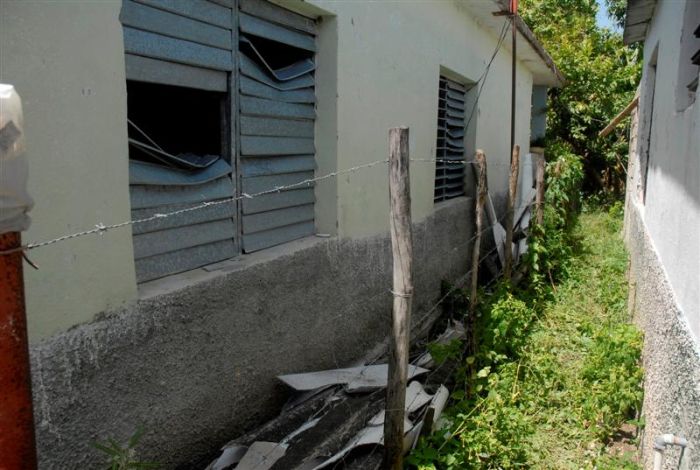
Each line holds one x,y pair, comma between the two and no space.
196,366
670,356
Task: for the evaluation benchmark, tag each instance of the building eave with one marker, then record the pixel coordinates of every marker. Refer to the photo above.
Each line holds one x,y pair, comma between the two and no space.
637,18
530,52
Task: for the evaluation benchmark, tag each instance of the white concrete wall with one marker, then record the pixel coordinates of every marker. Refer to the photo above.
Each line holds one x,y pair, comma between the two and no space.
672,209
379,65
66,59
389,59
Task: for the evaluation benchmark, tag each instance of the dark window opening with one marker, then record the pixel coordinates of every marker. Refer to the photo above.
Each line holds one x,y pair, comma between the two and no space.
179,120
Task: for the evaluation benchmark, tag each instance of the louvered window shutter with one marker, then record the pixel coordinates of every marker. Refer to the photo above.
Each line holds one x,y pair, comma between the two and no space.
449,177
183,44
277,98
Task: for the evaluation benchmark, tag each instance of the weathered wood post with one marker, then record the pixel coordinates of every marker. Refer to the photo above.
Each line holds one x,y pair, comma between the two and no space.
481,191
402,251
539,198
510,214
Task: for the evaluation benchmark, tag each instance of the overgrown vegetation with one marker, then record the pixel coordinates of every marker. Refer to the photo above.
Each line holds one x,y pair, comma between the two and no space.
602,76
556,369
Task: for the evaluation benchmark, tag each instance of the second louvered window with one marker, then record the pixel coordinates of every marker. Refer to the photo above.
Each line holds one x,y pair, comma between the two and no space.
449,167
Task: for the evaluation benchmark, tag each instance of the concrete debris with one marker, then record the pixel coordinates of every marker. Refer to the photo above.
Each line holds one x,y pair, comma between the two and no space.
373,433
357,379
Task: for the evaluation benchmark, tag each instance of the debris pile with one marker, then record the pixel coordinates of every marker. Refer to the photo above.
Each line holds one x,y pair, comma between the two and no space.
335,418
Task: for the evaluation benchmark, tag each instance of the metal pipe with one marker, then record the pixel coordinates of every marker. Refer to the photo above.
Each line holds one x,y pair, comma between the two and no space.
660,444
17,444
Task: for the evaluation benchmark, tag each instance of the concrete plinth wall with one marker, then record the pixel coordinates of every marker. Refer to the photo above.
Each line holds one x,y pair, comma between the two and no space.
671,355
196,365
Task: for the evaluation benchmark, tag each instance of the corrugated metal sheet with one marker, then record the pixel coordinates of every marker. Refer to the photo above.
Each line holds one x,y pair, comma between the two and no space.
449,177
276,125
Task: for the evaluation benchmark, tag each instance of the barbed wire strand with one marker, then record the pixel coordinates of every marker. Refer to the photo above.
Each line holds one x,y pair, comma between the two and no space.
101,228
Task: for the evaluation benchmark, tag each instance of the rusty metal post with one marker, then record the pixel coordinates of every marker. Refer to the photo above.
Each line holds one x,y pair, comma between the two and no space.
17,445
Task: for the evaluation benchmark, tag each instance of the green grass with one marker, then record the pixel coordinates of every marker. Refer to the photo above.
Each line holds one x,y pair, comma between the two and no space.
557,372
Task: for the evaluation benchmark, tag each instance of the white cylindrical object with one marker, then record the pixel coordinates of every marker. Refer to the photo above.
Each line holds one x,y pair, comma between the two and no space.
658,459
15,201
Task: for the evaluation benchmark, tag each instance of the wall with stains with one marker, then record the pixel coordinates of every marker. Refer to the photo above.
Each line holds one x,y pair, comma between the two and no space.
389,59
194,358
66,60
378,67
669,130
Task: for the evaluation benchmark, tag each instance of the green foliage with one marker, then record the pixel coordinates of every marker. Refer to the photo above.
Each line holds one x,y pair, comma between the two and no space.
602,76
616,11
613,375
550,246
124,457
556,371
505,326
443,352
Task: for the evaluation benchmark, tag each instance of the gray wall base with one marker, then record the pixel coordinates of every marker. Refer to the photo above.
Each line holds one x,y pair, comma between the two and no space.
671,355
195,365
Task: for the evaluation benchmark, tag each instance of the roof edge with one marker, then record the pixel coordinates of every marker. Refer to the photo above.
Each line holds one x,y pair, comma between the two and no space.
638,15
530,37
539,48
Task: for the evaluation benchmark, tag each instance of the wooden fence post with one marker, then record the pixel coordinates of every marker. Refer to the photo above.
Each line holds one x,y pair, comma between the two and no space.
539,198
481,192
512,191
402,251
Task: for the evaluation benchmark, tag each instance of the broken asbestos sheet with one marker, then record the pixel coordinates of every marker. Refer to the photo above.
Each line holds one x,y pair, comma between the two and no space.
455,331
323,426
357,379
373,433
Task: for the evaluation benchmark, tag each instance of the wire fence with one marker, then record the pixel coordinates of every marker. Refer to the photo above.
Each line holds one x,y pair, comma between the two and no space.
101,228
